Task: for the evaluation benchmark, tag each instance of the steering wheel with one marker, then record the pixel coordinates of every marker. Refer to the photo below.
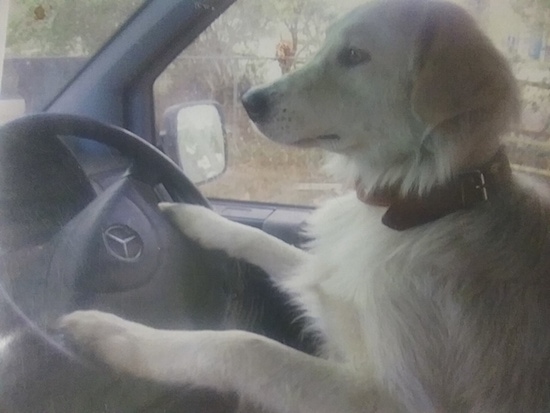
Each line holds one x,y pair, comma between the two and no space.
66,244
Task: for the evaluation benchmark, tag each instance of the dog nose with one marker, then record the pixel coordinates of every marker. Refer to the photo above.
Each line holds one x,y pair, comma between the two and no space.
256,103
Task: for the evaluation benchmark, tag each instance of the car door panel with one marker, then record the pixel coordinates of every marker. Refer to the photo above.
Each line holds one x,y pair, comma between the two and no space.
283,222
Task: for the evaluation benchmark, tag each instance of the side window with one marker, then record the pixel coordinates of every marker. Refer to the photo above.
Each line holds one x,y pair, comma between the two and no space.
255,42
252,43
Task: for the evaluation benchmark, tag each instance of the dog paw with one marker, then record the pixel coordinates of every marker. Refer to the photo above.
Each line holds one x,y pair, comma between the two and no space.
198,223
105,337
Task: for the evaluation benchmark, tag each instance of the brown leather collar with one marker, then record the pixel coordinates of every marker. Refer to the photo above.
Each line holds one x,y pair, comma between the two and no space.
461,193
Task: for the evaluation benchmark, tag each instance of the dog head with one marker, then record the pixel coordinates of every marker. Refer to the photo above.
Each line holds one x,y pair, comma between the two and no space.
406,92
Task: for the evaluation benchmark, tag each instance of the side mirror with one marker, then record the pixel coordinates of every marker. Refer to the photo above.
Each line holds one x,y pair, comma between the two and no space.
194,137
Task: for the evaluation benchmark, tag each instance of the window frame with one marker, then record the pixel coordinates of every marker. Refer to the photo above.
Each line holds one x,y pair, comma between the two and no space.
116,85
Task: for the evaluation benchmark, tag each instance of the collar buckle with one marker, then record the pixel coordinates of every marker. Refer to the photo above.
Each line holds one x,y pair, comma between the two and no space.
473,188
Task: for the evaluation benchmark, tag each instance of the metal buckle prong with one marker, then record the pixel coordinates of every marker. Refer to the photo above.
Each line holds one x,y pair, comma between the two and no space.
479,186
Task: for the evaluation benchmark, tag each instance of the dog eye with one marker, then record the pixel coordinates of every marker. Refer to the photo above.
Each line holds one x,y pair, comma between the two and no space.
352,56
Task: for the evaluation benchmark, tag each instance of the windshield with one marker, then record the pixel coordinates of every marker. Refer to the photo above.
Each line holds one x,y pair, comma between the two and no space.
43,44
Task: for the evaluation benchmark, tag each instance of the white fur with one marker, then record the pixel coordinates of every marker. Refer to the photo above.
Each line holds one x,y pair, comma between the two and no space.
5,342
449,317
214,232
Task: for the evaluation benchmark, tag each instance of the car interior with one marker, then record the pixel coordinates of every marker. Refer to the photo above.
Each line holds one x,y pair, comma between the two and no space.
84,165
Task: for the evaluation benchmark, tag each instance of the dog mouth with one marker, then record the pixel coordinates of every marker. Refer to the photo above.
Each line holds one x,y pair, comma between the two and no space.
308,142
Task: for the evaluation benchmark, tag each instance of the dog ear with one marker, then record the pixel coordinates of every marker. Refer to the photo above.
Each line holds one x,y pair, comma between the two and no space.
456,68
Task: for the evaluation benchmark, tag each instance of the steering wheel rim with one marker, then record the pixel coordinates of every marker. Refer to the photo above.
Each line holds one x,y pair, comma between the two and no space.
149,166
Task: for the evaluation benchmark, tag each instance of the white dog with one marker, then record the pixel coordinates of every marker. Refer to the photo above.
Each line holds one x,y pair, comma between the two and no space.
430,285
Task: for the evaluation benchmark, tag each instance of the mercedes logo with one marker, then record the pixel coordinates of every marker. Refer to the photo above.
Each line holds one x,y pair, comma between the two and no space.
123,242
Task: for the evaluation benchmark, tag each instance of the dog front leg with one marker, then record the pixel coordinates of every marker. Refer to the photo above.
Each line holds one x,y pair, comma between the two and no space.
276,377
212,231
